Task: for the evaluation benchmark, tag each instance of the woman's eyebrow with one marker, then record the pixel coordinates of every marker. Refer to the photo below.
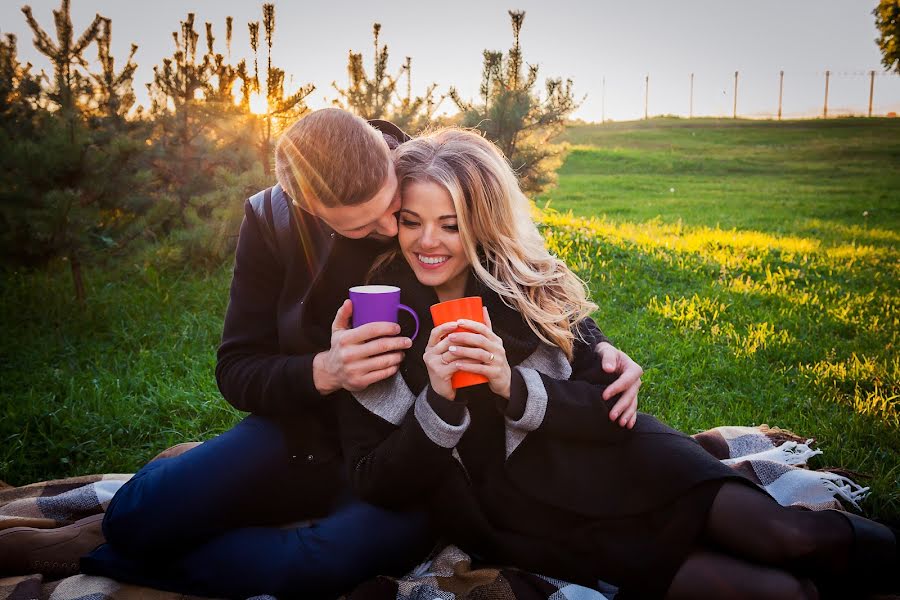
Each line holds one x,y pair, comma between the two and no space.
415,214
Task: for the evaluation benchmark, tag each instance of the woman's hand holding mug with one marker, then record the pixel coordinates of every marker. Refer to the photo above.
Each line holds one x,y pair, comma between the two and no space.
440,370
479,350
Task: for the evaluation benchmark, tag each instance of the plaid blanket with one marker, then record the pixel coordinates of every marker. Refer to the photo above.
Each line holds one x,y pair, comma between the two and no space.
773,458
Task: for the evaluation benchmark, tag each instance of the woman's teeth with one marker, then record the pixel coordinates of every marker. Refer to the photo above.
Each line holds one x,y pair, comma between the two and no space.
433,260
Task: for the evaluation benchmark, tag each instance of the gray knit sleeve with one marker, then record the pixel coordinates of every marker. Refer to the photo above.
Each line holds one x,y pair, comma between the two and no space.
389,398
550,361
439,431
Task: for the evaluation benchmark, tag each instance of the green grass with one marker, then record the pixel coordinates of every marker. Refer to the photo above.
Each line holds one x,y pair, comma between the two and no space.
106,388
757,292
795,176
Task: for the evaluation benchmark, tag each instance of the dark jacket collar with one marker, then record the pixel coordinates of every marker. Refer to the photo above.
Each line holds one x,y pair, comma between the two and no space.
393,135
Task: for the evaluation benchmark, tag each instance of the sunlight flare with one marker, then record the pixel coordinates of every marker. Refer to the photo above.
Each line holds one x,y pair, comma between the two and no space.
258,104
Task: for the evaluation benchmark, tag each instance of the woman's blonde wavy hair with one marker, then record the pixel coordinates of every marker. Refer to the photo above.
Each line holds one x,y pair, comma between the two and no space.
499,237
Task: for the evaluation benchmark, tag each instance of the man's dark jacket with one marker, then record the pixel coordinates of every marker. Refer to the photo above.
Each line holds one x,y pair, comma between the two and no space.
282,304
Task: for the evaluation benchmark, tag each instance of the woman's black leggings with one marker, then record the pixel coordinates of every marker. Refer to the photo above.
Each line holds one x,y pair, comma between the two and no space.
756,548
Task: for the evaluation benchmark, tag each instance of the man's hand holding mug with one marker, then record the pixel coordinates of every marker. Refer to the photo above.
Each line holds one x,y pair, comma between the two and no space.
370,350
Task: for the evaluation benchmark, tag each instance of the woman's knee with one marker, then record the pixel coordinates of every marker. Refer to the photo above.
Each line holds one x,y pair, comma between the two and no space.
709,574
794,538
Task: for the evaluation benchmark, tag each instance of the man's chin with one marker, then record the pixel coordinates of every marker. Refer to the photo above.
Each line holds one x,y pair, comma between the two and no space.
380,237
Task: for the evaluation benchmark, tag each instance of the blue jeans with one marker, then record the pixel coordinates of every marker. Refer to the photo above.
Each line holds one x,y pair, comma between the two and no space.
211,522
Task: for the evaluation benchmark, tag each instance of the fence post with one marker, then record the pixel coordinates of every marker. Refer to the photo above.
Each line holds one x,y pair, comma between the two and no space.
646,94
871,89
780,92
603,103
691,109
825,111
734,115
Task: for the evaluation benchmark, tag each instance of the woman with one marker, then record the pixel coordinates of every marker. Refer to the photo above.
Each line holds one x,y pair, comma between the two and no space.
527,470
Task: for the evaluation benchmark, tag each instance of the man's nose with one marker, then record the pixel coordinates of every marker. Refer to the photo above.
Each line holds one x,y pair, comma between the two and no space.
387,225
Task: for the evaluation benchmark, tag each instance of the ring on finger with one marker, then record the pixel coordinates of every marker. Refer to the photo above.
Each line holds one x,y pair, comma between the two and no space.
491,358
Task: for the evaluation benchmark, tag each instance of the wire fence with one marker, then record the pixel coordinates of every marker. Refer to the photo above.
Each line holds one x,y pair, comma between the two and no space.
781,94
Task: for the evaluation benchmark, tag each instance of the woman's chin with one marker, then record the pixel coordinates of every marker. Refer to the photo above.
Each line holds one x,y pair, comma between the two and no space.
429,279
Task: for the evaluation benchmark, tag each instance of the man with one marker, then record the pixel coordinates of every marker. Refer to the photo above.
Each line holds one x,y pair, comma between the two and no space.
211,520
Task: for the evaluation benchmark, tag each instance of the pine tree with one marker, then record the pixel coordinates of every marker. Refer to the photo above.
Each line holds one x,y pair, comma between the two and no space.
414,114
222,74
20,91
368,97
282,109
65,53
247,86
200,137
177,94
114,91
44,209
515,117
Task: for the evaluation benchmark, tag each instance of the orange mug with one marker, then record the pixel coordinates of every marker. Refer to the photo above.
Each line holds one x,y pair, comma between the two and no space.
453,310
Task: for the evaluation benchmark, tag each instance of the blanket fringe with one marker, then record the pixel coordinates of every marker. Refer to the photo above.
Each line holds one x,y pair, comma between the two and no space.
844,488
788,453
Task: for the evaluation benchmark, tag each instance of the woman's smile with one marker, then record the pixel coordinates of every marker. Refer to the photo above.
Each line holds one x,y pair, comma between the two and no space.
432,261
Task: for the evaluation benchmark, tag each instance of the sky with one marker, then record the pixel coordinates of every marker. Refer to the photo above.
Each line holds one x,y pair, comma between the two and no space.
608,48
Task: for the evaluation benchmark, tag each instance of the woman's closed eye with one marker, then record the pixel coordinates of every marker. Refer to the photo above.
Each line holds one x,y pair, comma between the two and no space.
410,224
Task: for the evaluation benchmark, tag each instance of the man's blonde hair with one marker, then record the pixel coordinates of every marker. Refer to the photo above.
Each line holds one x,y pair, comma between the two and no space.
499,237
333,157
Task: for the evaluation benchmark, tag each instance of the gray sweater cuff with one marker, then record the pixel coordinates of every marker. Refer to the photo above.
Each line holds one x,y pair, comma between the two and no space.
439,431
535,402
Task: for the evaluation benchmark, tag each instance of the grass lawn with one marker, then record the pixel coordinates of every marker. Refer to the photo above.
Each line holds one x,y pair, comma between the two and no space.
750,267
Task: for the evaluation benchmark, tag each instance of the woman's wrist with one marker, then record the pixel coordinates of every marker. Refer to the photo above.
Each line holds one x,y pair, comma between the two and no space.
505,391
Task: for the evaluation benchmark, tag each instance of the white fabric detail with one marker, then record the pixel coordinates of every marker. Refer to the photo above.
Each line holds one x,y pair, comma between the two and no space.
106,489
573,591
85,586
439,431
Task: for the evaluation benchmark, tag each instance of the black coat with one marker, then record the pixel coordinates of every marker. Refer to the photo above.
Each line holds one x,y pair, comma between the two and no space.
533,507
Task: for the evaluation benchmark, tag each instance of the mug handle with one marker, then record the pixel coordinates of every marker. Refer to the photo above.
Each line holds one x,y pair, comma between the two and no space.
415,318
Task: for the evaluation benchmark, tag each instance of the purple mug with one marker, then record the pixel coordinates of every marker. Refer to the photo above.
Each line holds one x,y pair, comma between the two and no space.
376,303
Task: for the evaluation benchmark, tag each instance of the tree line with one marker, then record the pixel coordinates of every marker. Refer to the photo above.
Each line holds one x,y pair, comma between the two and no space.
87,176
